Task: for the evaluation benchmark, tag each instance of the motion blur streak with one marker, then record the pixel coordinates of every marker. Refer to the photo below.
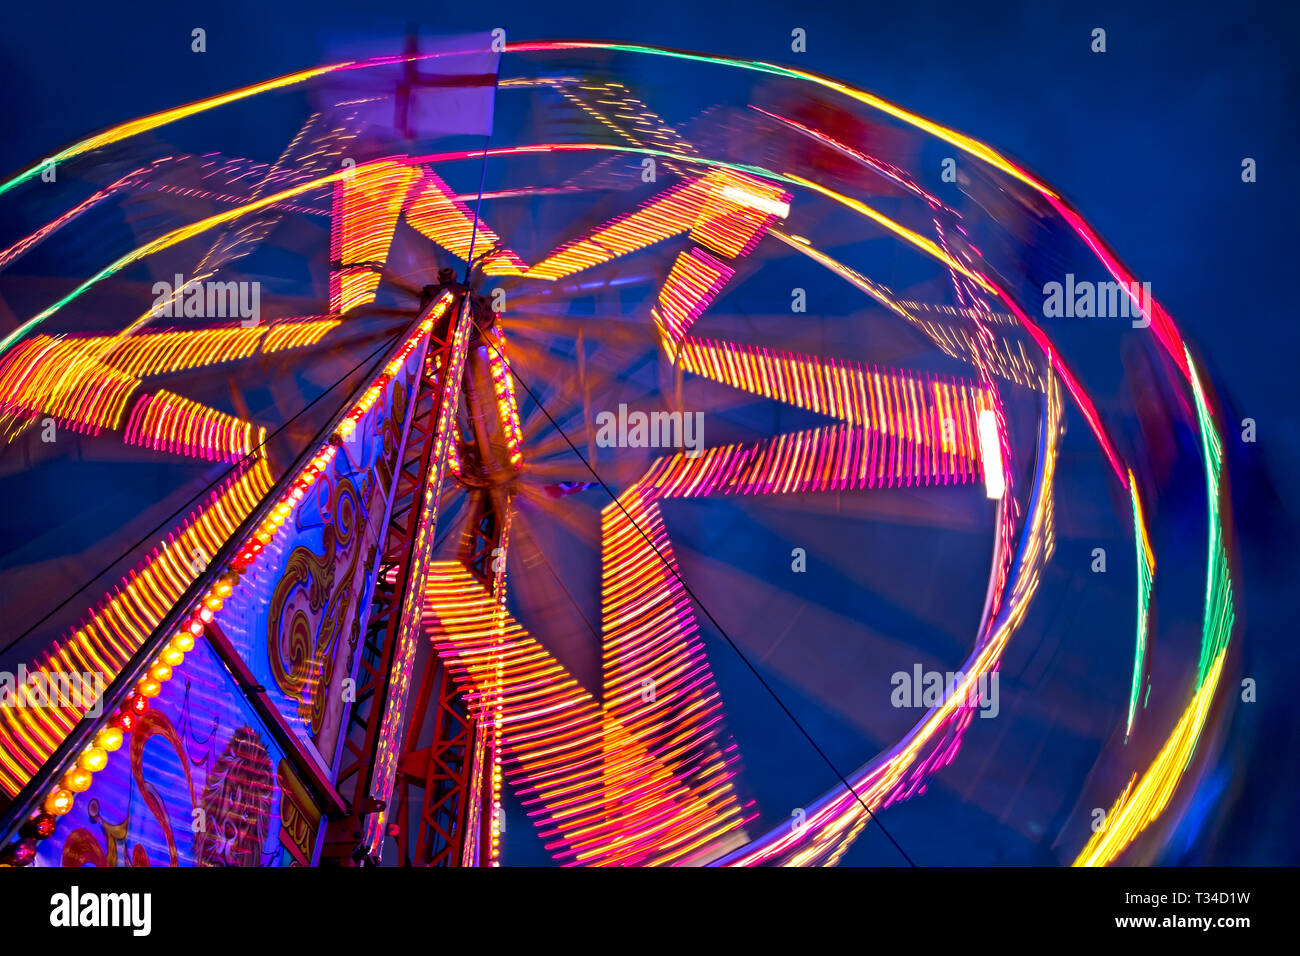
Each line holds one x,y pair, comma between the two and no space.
171,239
168,422
436,212
1146,568
916,427
367,204
1142,802
599,791
85,382
835,820
119,625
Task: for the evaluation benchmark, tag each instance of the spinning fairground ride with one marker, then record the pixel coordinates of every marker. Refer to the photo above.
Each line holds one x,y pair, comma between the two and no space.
588,454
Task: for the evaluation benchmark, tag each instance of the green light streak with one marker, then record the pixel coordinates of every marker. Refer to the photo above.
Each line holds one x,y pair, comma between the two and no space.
1144,580
1219,617
163,242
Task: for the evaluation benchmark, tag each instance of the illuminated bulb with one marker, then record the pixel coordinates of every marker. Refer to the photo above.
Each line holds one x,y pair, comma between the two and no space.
171,656
160,672
77,780
148,688
182,642
58,802
92,760
109,739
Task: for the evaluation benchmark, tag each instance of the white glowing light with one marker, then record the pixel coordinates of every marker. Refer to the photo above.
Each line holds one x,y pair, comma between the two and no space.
995,482
755,201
